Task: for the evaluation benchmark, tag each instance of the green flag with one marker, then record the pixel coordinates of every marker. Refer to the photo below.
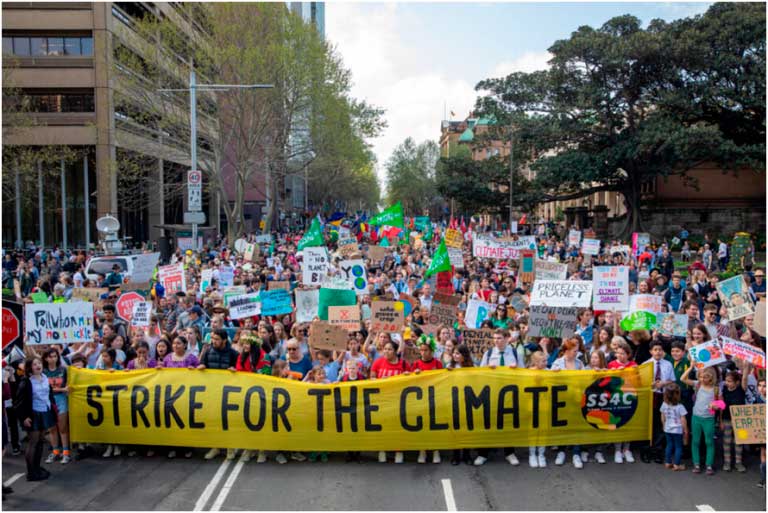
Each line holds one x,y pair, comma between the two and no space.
384,242
440,261
393,216
313,237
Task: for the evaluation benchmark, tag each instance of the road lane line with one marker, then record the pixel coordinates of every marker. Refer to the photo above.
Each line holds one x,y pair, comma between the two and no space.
228,484
203,500
705,507
13,479
450,503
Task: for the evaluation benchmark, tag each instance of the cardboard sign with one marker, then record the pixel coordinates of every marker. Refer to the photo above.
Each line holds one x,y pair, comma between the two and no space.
574,238
172,278
442,315
527,261
645,303
561,293
58,323
323,335
518,302
376,253
251,251
456,257
89,294
545,321
759,325
638,321
306,304
355,273
244,305
387,317
488,247
672,325
591,247
348,247
748,423
409,303
454,238
545,270
610,288
345,317
744,351
478,341
706,355
276,302
142,311
274,285
477,312
314,266
735,296
445,299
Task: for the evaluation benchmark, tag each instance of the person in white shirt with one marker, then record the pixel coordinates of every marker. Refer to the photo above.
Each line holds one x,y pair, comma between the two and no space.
663,375
79,276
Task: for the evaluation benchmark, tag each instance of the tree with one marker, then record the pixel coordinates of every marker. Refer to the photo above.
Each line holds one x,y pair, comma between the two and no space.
621,105
411,176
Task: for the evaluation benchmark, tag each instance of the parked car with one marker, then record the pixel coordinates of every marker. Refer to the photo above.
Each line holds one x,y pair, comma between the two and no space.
103,265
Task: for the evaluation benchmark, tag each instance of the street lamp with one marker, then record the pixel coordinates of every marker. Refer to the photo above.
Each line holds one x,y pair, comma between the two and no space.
193,87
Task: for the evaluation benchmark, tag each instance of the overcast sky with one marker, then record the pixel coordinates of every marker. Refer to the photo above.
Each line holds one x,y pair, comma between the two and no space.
417,59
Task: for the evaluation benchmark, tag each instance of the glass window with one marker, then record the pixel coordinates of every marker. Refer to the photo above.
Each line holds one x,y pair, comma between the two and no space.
55,46
86,44
21,46
7,45
72,45
39,46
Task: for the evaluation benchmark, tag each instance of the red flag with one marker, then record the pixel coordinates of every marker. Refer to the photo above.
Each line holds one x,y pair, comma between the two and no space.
374,235
523,219
463,225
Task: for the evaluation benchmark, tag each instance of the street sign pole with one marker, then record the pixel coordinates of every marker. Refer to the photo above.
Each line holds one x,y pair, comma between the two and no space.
193,142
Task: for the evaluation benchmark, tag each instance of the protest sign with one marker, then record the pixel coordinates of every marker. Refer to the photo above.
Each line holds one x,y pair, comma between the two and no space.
142,310
675,241
545,270
442,315
526,272
274,285
478,341
444,283
639,242
672,325
226,276
264,239
348,247
245,305
206,276
409,303
610,286
89,294
488,247
144,267
574,238
759,325
513,227
39,297
334,297
306,304
456,257
345,317
314,265
546,321
387,317
230,292
407,413
744,351
645,302
735,296
590,247
354,272
275,302
376,253
477,312
518,302
58,323
172,278
445,299
639,321
251,250
706,354
748,421
454,238
561,293
323,335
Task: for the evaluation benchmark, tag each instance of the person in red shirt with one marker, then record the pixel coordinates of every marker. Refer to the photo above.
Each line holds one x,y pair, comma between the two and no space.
427,346
384,367
623,360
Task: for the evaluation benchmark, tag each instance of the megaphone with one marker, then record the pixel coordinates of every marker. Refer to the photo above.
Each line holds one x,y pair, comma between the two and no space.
14,355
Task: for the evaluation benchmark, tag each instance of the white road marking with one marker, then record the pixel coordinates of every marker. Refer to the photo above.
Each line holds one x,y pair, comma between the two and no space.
705,507
203,500
230,482
13,479
450,503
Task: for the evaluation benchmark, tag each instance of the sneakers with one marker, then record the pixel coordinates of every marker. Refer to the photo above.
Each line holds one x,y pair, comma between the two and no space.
53,457
710,470
324,457
231,454
297,456
171,455
131,454
600,458
65,459
247,455
281,459
585,456
382,457
262,457
435,456
107,453
618,458
761,483
542,461
628,456
212,454
560,459
422,457
188,454
480,460
150,454
399,457
533,461
577,461
696,469
726,467
512,459
116,452
740,467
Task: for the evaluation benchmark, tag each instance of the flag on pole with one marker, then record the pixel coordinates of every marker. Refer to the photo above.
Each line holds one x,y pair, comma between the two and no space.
392,216
313,237
440,261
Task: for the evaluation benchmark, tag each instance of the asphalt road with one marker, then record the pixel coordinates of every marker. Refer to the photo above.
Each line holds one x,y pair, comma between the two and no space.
157,483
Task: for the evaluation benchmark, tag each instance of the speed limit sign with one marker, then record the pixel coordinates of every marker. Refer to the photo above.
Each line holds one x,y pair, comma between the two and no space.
194,177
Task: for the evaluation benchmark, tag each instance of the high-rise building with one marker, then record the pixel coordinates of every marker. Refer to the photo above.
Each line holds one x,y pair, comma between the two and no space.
311,12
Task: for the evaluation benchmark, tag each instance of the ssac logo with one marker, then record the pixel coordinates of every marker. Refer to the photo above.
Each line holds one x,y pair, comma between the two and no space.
608,403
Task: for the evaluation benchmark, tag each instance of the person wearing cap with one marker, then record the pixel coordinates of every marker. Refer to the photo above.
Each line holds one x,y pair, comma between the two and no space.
196,317
114,279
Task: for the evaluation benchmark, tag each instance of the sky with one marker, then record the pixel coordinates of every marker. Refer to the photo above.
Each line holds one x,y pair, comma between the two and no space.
419,60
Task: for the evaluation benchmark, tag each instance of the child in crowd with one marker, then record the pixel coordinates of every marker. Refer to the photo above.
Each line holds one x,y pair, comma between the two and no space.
319,378
596,363
426,362
623,354
353,371
703,421
734,393
536,456
673,416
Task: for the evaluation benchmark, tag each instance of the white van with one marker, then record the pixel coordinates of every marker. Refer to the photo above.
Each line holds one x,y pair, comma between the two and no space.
103,265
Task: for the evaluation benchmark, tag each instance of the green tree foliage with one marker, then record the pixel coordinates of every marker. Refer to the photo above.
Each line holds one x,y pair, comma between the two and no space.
621,105
411,176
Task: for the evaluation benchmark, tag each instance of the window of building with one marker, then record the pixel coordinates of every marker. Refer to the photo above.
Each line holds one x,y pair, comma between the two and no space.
67,102
8,45
56,46
39,45
51,45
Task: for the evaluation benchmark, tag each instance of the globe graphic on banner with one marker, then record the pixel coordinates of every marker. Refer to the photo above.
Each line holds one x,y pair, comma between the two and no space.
608,403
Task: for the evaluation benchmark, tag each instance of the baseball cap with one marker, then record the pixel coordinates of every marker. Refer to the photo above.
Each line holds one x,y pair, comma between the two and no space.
196,309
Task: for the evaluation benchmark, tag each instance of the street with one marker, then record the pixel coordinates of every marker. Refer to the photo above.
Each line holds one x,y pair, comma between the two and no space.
160,484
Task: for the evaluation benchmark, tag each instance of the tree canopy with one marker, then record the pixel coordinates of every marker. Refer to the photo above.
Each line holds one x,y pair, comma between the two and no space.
411,176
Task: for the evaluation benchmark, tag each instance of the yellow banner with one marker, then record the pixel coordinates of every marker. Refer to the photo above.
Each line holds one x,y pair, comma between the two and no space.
463,408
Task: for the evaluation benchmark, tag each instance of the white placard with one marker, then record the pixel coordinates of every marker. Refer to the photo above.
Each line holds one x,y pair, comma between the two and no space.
264,239
546,270
206,275
314,265
244,306
226,276
513,227
574,238
456,256
172,278
58,323
307,302
477,312
144,267
142,311
610,288
552,322
645,303
355,274
561,293
488,247
590,247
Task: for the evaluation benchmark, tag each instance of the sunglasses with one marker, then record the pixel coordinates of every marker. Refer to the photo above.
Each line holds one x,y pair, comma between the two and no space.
292,348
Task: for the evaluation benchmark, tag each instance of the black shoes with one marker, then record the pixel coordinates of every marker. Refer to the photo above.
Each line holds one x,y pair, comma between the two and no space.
39,475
